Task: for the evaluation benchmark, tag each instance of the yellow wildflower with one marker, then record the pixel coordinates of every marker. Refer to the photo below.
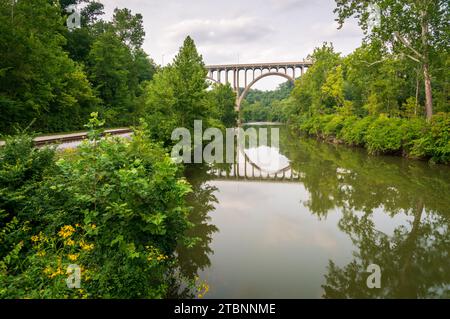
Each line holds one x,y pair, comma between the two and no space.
56,273
86,247
41,253
73,257
70,242
203,290
35,238
66,231
48,270
161,257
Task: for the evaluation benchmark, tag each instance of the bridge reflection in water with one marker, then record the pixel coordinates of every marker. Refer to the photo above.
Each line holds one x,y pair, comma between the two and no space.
258,164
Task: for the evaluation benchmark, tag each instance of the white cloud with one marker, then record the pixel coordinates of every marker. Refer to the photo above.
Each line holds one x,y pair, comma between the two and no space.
223,31
292,4
254,30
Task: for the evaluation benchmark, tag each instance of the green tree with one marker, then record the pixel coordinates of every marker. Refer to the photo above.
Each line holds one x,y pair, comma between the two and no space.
177,96
159,101
223,100
334,86
109,67
376,81
79,40
265,105
417,29
37,78
307,94
129,28
118,67
189,83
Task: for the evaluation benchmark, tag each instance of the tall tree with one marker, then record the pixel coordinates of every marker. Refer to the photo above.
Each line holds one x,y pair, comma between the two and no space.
416,29
223,98
118,66
178,96
307,93
190,83
109,67
37,78
129,28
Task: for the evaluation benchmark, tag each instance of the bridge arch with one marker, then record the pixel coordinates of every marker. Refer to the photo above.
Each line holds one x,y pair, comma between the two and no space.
210,78
264,75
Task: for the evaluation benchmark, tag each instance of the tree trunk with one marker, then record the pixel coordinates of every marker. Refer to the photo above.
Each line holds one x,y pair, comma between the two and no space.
417,92
428,92
426,65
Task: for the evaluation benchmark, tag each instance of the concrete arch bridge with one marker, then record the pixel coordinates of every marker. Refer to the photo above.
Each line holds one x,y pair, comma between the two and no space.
246,75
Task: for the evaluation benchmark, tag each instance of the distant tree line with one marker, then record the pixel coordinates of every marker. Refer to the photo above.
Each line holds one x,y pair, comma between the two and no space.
266,105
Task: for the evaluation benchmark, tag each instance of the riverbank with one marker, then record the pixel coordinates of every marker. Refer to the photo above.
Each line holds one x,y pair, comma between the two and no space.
412,138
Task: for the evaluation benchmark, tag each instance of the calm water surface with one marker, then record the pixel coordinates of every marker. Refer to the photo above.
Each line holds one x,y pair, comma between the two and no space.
312,231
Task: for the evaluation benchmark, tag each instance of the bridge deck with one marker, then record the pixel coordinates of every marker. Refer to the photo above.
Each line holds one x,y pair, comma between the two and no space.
259,65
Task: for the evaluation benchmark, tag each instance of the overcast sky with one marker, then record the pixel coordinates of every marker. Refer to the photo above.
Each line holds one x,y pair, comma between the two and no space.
228,31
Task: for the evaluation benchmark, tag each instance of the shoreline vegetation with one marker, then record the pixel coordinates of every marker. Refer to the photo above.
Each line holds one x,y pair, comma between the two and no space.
370,98
391,95
414,139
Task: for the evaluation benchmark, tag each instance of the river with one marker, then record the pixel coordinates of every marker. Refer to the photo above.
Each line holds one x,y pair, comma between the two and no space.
313,231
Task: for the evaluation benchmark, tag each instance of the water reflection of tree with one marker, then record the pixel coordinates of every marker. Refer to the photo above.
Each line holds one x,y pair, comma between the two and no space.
415,259
414,262
192,258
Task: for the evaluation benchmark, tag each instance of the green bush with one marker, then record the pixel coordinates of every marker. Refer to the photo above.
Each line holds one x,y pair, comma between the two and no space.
334,126
315,125
117,209
347,123
21,167
413,129
413,137
354,133
435,141
384,135
308,126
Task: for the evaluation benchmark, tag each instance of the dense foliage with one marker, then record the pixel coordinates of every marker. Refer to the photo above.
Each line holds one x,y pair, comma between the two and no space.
58,77
375,96
417,30
265,105
414,138
114,207
178,95
371,98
